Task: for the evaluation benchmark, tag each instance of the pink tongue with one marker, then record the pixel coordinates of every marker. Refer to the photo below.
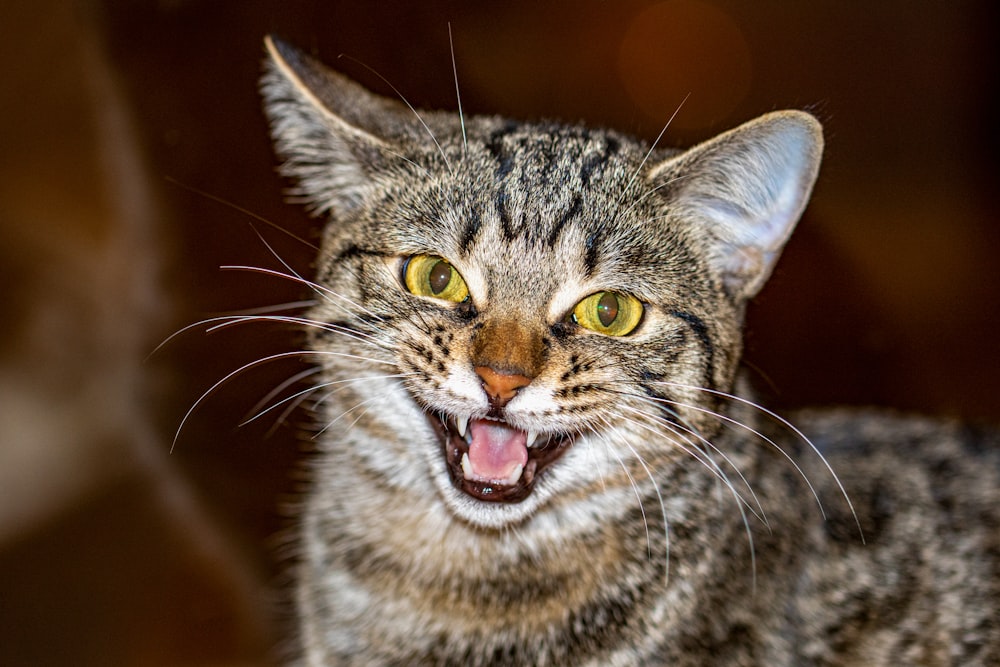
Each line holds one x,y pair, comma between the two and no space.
496,449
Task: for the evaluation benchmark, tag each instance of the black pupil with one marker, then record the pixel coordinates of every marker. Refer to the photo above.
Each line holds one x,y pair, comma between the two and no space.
440,276
607,308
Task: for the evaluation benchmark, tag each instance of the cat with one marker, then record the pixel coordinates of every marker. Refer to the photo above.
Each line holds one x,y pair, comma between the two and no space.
535,445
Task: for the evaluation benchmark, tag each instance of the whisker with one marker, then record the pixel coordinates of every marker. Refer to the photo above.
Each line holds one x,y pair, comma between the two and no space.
343,414
787,424
316,287
347,332
709,463
285,384
278,307
289,409
458,94
410,106
692,449
240,209
656,141
659,498
735,422
314,388
254,364
741,504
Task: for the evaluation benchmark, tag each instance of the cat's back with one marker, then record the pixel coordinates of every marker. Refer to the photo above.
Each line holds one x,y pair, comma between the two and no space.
921,589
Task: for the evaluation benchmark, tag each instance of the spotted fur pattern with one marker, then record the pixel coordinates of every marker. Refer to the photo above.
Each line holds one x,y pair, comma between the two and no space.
670,520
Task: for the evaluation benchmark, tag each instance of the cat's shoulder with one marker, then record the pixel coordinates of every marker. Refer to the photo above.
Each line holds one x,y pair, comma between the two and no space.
898,467
873,431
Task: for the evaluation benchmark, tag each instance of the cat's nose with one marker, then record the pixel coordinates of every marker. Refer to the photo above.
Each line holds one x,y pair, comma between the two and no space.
500,387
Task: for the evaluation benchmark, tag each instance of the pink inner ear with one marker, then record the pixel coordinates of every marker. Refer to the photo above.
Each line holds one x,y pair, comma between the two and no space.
496,450
743,265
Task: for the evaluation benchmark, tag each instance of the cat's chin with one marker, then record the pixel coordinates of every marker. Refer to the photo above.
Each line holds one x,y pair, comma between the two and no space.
517,480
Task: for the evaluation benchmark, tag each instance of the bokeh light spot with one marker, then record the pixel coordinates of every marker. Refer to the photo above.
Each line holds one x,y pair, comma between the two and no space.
686,47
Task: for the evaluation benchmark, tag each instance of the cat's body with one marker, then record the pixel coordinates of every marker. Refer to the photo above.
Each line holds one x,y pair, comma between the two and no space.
534,445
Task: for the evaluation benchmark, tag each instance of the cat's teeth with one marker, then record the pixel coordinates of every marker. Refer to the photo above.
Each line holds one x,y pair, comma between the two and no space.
515,475
512,479
462,423
532,436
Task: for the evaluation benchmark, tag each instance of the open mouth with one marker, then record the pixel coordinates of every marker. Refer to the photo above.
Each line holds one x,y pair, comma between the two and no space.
491,460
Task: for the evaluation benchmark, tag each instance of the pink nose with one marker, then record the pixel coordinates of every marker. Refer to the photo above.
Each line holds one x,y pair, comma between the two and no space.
500,387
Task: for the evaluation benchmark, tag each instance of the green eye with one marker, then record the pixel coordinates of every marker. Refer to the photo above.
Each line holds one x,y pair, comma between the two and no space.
608,313
427,275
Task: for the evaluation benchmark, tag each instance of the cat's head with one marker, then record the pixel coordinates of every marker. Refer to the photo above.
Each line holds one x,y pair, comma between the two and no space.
536,308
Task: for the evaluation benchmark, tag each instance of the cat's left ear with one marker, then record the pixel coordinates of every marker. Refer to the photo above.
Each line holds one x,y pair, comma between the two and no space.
747,188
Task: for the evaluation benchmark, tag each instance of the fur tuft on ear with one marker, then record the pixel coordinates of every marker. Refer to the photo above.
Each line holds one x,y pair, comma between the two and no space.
748,188
323,128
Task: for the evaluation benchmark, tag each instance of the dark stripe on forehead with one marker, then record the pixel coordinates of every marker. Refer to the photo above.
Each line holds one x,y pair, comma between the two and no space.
471,230
495,145
502,202
572,212
593,161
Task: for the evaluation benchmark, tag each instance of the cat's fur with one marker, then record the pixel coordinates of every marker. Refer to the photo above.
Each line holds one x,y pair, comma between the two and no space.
682,524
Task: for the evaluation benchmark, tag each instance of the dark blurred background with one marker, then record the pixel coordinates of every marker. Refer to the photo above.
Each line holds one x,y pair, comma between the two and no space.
134,163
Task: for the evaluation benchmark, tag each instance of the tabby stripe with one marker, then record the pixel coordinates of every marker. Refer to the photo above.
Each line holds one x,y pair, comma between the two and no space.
572,212
503,210
591,163
590,256
353,250
472,225
495,145
701,331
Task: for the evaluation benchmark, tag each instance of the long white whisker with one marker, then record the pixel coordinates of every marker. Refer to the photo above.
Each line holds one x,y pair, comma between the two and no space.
787,424
412,108
240,209
755,432
741,504
343,414
253,364
691,429
277,308
347,332
659,498
314,388
212,323
285,384
705,460
458,94
319,289
638,169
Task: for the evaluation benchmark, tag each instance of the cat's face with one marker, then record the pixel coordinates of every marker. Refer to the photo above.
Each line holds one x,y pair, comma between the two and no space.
515,316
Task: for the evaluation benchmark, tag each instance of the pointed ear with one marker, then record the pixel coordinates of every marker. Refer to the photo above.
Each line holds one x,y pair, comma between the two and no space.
326,128
748,188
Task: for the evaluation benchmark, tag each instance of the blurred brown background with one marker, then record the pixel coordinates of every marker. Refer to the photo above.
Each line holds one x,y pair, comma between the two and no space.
134,162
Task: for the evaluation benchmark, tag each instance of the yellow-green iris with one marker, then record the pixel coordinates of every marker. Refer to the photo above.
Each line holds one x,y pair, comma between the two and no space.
428,275
609,313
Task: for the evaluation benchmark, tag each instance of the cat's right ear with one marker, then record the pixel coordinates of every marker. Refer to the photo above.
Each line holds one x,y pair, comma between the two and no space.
326,129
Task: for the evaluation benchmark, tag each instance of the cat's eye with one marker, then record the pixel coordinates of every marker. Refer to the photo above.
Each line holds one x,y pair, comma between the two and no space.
429,275
608,313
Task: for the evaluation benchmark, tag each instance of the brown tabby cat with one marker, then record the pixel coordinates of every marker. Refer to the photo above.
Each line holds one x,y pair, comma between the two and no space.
534,444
